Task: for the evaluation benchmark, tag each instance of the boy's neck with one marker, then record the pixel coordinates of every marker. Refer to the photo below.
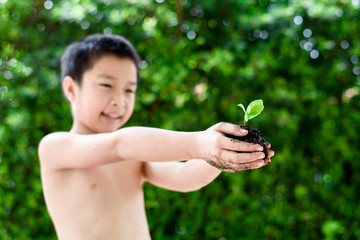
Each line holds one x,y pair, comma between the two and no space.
80,129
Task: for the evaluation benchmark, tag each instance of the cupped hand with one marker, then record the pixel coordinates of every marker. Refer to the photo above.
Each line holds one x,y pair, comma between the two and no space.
230,155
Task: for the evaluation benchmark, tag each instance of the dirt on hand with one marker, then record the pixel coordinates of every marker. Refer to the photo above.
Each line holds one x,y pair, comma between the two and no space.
253,136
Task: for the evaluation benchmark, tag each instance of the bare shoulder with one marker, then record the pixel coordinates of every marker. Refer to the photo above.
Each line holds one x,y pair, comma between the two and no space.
51,144
51,140
64,150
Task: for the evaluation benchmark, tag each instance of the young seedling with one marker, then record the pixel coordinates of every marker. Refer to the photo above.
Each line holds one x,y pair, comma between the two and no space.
252,110
254,135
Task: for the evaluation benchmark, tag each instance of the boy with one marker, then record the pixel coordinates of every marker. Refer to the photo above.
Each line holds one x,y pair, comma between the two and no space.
92,176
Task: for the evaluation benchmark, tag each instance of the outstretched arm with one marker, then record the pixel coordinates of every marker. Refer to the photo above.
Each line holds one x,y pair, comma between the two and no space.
65,150
194,174
180,176
68,150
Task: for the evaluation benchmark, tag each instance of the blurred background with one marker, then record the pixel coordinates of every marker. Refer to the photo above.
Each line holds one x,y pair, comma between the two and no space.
199,60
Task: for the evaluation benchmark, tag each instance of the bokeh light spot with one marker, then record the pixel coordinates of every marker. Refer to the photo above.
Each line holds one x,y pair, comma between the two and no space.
356,70
298,20
302,43
344,44
107,2
191,35
314,54
264,35
354,59
308,46
8,75
307,33
180,230
12,62
350,93
143,64
196,12
107,31
48,4
85,25
185,27
339,12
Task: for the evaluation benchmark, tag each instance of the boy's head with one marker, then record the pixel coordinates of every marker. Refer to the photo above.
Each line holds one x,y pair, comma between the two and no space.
81,55
99,78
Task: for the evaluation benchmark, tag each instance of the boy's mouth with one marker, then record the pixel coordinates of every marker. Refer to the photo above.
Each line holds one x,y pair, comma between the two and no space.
111,116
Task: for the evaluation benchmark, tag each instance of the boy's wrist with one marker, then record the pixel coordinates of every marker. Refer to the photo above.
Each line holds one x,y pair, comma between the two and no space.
195,145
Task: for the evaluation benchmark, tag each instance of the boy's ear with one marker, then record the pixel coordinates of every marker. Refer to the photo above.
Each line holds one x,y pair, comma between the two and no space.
69,86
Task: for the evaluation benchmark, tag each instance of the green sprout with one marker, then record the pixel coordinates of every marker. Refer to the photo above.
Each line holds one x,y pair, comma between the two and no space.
254,109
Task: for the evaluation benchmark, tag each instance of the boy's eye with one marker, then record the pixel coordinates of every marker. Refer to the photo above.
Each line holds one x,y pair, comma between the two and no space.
105,85
130,91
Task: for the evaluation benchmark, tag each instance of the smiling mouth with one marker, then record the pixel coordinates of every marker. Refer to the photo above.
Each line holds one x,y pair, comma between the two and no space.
112,116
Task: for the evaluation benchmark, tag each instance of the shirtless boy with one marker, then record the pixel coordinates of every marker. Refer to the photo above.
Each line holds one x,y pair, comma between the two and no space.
92,176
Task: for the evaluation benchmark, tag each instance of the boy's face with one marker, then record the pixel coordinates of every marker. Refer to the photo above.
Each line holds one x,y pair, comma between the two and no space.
105,100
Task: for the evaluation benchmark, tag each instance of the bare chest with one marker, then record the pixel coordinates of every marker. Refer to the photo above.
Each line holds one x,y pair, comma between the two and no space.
109,197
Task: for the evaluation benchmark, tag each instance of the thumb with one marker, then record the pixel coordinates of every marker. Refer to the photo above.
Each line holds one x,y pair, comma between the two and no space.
229,128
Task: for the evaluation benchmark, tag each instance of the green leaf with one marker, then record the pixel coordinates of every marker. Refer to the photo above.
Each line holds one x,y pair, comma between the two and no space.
245,114
254,108
242,106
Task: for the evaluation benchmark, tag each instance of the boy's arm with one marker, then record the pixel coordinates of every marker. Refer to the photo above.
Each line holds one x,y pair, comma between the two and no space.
63,150
68,150
180,176
191,175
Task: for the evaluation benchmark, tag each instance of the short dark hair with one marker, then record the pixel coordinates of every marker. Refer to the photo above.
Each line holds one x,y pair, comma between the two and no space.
82,54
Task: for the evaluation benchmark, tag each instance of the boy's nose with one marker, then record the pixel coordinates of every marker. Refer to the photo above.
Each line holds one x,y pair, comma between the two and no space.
118,101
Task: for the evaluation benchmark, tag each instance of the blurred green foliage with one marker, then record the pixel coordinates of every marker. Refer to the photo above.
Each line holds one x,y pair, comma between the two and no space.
201,58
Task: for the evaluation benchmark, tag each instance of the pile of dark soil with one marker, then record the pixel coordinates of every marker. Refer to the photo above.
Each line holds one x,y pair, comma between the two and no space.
253,136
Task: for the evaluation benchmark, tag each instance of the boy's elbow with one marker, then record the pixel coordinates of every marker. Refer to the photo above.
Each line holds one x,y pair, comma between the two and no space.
119,153
194,188
189,190
120,148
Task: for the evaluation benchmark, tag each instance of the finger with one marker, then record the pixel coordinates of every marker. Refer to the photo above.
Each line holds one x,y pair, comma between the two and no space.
271,153
232,157
226,160
242,158
239,146
231,129
246,166
267,161
267,145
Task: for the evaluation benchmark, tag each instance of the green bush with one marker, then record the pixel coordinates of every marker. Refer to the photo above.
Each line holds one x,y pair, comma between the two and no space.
200,58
